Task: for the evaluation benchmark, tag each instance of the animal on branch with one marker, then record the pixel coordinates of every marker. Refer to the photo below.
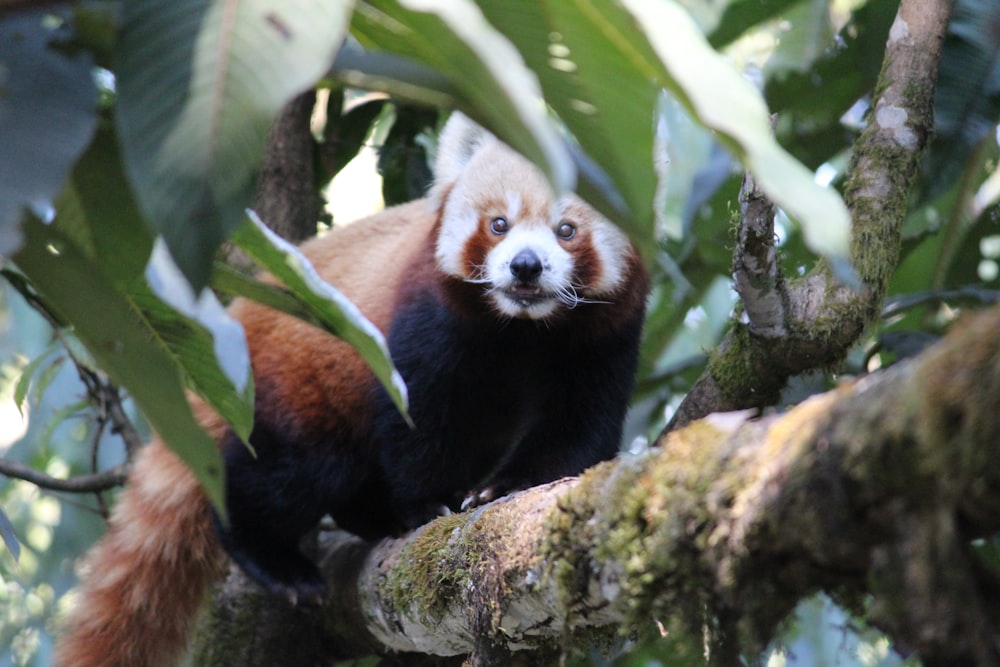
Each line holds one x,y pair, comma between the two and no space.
514,315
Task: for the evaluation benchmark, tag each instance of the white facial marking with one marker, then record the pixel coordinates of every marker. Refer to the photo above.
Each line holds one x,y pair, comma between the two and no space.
610,244
513,205
612,248
459,222
540,298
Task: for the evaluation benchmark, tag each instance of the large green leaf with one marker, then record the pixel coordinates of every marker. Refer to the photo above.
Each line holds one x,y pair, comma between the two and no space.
207,346
199,83
726,102
741,15
119,338
48,105
107,222
576,49
318,301
489,75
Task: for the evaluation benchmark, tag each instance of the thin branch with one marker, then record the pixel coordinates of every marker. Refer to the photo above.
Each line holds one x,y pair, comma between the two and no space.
102,481
103,394
106,397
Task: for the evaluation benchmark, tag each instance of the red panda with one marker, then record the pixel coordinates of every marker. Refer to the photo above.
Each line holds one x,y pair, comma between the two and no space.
514,316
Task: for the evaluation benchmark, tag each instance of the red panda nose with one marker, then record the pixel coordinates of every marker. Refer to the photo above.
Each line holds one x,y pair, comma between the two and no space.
526,266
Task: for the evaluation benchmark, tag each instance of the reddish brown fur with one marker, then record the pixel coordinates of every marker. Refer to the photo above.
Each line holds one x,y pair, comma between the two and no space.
586,262
330,367
146,578
148,575
477,247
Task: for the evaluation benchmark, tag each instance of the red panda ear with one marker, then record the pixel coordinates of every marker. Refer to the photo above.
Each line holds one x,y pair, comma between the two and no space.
459,141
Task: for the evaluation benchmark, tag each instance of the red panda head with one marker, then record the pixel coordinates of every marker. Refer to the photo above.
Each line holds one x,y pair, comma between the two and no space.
502,226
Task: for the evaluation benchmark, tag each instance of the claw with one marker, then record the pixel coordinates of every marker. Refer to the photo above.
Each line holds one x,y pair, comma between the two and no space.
481,497
302,593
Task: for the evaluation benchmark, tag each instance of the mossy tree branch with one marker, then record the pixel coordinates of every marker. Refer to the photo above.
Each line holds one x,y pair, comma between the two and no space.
873,489
823,317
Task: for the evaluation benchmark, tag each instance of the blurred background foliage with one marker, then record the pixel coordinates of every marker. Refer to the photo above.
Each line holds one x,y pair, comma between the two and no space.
815,61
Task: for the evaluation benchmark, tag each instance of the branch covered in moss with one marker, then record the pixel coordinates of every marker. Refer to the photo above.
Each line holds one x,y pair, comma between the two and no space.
823,317
872,491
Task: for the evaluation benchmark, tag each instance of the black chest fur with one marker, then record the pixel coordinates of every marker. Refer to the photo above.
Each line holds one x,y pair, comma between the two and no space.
477,387
497,404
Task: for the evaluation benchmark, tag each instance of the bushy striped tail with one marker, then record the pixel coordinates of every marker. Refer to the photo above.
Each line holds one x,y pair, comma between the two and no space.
144,581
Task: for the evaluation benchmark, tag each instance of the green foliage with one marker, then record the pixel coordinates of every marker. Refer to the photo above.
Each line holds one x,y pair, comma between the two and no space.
574,51
402,160
47,112
968,93
199,83
811,104
350,132
323,304
168,141
177,156
491,81
117,335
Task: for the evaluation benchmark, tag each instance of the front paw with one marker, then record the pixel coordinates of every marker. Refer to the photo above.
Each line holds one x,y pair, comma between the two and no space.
478,497
303,588
286,574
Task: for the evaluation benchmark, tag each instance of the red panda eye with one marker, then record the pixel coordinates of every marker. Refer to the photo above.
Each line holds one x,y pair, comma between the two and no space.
566,230
499,226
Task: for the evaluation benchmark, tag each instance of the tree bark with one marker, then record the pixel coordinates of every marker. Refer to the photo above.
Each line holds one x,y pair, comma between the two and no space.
873,490
287,197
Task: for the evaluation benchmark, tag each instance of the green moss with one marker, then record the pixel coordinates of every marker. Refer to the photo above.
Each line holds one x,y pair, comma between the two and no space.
436,566
651,537
674,517
431,577
228,628
737,372
565,552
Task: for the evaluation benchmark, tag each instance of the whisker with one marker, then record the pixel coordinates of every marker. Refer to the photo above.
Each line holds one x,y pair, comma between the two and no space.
569,297
586,300
479,276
